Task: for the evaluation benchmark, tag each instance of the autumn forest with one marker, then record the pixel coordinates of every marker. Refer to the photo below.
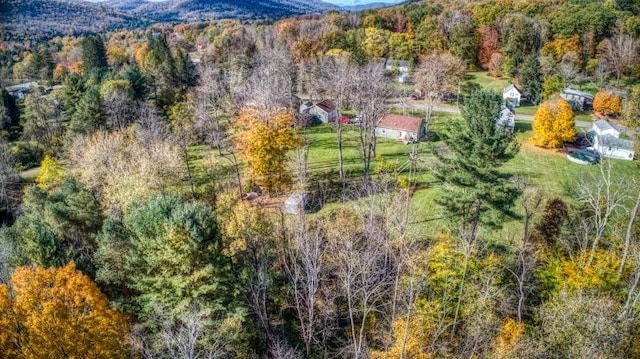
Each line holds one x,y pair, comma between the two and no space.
167,190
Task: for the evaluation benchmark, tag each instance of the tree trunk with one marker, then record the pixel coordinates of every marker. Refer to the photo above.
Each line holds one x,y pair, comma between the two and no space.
628,235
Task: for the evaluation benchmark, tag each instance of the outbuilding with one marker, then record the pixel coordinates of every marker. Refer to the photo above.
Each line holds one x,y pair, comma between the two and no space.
407,129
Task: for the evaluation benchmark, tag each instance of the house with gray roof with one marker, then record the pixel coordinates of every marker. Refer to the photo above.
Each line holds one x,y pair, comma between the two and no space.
579,100
506,118
400,68
607,142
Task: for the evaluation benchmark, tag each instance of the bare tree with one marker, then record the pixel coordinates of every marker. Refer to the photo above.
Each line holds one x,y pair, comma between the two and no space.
271,83
437,75
119,108
629,233
604,194
335,79
568,69
620,51
371,90
531,202
196,335
305,267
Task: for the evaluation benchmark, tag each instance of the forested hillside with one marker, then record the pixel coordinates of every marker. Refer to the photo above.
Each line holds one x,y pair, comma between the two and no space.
237,188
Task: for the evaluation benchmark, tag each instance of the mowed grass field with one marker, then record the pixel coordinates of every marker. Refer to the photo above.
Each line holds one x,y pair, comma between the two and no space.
498,84
546,169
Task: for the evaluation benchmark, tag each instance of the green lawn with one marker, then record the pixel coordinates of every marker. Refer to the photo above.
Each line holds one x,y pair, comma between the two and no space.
547,169
528,109
485,81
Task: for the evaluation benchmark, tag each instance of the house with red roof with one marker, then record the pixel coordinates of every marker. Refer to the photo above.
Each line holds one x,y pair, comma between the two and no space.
407,129
323,111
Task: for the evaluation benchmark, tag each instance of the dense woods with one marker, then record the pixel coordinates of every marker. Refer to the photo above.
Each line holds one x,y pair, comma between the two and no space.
144,175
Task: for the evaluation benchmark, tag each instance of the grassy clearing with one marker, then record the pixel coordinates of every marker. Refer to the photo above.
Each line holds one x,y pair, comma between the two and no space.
547,169
485,81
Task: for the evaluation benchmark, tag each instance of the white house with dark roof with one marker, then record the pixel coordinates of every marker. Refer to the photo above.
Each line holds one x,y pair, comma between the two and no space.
401,67
607,142
512,95
506,118
407,129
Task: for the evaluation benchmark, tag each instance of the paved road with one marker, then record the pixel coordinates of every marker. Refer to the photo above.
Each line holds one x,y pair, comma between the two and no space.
420,106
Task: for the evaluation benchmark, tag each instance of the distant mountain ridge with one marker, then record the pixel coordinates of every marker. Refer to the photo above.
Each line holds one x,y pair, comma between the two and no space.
196,10
48,18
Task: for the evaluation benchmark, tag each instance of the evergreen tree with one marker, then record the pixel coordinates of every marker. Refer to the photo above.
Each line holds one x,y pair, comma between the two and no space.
9,113
89,115
72,92
137,82
185,70
44,63
531,78
114,241
470,168
58,225
94,55
176,258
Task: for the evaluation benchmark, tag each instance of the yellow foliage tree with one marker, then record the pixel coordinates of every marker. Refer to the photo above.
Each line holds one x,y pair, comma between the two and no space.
61,313
51,173
553,124
264,140
607,103
375,42
59,73
8,326
509,342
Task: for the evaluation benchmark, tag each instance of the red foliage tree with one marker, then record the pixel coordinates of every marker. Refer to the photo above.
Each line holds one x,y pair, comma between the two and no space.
489,44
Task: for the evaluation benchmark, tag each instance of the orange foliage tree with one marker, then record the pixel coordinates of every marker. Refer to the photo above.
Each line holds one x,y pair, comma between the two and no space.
553,124
58,313
607,103
264,139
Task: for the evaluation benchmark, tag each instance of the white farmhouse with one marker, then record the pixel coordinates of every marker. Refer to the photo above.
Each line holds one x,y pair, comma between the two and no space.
506,118
407,129
399,67
607,141
512,95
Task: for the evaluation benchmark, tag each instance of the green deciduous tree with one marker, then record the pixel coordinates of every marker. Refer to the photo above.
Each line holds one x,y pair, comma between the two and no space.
551,86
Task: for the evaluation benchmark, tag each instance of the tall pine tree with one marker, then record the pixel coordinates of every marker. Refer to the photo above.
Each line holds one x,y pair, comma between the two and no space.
94,55
531,79
477,190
